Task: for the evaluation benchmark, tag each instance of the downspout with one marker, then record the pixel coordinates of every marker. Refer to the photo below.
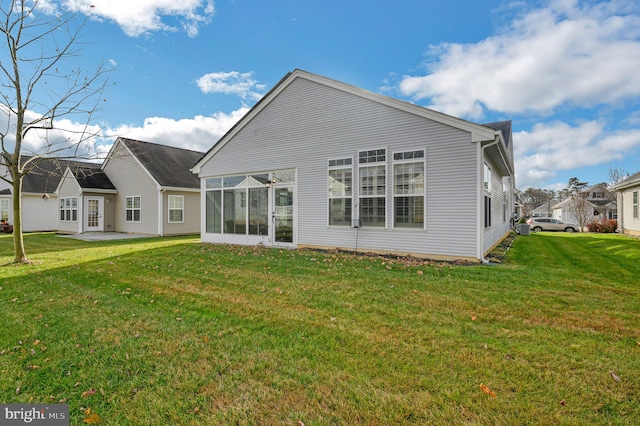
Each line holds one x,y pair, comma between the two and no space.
481,201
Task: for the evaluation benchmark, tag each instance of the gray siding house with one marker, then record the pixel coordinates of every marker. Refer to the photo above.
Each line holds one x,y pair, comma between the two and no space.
320,163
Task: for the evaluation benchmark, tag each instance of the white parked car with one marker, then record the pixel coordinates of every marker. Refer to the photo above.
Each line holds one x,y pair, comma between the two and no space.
551,224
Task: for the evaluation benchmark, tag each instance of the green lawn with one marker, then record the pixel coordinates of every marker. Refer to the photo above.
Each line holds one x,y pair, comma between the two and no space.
169,331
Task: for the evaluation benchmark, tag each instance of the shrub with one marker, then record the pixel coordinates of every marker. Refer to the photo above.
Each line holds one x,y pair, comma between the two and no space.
604,226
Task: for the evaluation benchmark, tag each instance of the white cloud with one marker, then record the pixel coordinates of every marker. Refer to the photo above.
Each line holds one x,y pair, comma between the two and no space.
564,54
232,83
141,17
557,146
199,133
72,139
68,138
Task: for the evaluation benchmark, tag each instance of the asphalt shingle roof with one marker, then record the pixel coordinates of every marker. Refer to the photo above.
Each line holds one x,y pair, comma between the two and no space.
169,166
91,176
504,127
46,175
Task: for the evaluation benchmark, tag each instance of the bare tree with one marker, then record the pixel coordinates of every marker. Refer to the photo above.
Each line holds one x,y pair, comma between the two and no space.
40,87
617,174
581,209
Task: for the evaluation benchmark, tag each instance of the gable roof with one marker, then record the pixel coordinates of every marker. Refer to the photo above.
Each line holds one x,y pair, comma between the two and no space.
479,133
46,174
169,166
569,201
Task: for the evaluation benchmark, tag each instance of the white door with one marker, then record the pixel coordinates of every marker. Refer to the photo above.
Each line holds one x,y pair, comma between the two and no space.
282,218
94,214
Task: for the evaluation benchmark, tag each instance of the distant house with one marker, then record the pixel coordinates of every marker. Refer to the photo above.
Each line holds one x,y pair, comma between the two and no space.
600,204
86,200
156,192
320,163
141,188
627,200
39,200
545,209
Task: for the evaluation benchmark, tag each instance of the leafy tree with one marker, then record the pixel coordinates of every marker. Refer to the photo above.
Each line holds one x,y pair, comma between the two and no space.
575,186
40,90
533,198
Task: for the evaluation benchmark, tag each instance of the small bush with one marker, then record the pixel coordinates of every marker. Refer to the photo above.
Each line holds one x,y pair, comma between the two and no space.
604,226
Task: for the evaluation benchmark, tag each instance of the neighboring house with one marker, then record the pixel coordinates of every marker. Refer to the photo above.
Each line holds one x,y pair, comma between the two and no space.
39,201
597,200
141,188
320,163
627,199
157,193
544,210
86,200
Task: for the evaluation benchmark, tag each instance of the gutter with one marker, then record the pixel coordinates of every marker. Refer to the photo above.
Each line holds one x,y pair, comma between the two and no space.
481,199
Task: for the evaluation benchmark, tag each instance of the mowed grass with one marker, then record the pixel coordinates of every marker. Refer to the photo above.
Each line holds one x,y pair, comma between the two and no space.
169,331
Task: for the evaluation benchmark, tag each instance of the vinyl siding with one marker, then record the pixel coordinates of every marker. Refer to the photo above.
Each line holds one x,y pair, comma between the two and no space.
39,214
131,179
191,224
68,187
308,123
626,220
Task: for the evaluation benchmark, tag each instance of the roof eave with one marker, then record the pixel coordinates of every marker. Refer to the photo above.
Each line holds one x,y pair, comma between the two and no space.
478,132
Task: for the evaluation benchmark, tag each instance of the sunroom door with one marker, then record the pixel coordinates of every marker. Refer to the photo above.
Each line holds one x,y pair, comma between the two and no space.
283,216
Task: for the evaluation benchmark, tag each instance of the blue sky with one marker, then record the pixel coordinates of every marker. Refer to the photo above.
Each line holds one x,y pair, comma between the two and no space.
566,72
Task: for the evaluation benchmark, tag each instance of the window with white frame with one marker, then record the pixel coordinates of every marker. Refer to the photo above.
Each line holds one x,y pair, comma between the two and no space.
487,195
635,204
69,209
487,178
372,174
133,208
176,208
340,191
408,189
4,210
505,196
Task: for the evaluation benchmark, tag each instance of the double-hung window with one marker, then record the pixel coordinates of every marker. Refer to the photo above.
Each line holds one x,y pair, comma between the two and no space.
635,204
4,210
408,189
69,209
133,208
487,195
340,184
176,208
372,174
